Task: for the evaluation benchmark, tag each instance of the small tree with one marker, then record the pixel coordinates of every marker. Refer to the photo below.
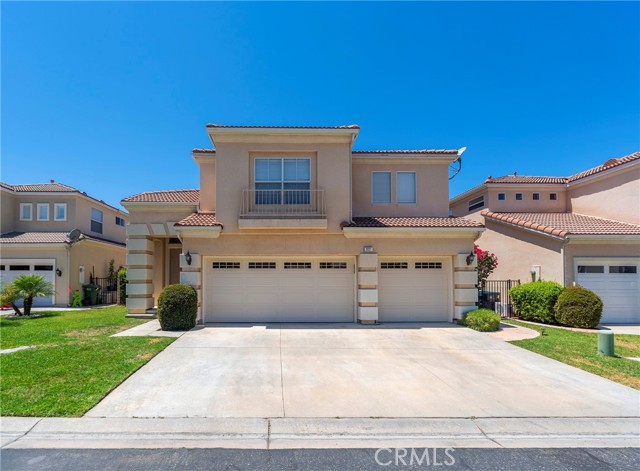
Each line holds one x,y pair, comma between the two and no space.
111,275
487,262
29,287
9,295
122,286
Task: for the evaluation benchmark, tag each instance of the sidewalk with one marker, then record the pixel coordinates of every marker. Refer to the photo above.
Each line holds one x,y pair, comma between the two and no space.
287,433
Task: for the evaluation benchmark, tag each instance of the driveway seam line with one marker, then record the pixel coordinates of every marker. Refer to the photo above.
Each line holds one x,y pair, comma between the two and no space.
284,411
24,434
485,435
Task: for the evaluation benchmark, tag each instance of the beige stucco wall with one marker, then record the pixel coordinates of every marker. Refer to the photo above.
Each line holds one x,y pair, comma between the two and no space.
432,189
208,185
614,196
527,204
8,212
110,230
94,257
518,250
50,225
331,172
59,254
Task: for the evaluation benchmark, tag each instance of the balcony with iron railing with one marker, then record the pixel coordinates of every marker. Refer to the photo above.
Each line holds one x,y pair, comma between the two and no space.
283,208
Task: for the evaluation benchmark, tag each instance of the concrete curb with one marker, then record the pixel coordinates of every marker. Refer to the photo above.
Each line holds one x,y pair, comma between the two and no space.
286,433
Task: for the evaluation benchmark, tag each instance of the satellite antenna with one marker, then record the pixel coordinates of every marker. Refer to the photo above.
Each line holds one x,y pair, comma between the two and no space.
456,165
74,236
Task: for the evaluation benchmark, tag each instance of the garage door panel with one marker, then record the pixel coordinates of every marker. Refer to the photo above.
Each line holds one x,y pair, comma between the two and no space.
13,268
413,294
618,291
292,294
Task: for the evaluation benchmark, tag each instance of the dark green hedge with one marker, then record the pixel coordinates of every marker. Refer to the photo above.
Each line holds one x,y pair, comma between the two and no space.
177,307
578,307
482,320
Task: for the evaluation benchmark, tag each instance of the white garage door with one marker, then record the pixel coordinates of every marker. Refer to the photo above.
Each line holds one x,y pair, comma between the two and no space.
10,269
617,282
279,290
414,290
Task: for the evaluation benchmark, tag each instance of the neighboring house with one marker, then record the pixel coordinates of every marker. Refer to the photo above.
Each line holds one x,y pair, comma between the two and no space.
291,224
35,224
582,229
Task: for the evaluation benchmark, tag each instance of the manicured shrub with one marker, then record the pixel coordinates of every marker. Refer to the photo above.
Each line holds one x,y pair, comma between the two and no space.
122,286
535,301
177,307
578,307
482,320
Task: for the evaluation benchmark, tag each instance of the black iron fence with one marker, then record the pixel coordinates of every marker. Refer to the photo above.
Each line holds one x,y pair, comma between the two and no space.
108,292
494,295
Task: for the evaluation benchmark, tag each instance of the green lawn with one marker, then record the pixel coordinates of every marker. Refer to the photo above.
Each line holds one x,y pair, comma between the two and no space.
76,362
581,350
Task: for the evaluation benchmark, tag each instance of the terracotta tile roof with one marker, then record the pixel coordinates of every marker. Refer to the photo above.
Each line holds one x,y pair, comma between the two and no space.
611,163
168,196
42,187
46,238
412,222
350,126
526,179
565,224
409,151
199,220
199,150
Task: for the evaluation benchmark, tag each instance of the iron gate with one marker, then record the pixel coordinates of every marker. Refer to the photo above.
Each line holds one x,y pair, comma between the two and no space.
494,295
108,292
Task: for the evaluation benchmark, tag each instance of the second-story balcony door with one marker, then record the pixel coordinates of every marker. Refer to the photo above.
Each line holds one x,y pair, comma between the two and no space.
282,182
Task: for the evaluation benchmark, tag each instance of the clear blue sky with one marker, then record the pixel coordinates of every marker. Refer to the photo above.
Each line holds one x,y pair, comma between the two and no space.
111,97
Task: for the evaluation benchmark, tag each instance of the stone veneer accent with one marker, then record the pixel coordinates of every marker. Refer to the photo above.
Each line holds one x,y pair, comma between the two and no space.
139,274
368,288
465,293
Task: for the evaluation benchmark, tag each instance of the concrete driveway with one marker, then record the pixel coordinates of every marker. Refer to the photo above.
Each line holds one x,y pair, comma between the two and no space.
346,370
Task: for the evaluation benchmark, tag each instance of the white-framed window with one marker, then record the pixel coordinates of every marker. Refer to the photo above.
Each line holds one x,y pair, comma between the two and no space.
553,196
476,203
43,211
502,196
405,187
26,211
96,220
282,181
120,221
380,187
536,196
518,196
60,211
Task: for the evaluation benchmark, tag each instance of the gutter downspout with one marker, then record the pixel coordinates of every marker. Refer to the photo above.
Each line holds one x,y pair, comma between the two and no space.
564,261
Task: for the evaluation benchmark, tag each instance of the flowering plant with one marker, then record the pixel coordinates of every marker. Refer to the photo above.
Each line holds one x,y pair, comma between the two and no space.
487,262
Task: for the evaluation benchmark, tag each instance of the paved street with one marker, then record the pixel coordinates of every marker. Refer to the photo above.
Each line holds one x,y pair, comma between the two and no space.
579,459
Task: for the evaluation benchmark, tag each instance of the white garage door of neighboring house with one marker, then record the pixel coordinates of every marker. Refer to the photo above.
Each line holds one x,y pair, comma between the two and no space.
10,269
617,282
278,289
414,290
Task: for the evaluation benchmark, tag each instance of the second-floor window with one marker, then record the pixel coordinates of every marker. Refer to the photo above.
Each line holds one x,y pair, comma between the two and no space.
406,187
26,211
502,196
43,211
476,203
282,181
518,196
553,196
60,212
96,220
120,221
381,187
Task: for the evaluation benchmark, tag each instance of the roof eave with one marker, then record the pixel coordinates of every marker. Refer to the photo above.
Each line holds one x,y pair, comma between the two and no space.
412,232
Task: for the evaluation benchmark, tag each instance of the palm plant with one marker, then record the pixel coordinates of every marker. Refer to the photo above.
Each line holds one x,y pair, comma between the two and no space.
9,296
28,287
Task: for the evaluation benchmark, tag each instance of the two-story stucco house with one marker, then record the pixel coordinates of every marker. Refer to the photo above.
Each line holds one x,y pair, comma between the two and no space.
292,224
35,225
582,229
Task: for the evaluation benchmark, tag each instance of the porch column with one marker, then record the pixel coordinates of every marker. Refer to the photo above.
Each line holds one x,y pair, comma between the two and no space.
140,259
465,278
368,288
192,275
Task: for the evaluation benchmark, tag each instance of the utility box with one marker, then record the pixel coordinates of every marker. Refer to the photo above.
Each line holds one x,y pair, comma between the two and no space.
605,343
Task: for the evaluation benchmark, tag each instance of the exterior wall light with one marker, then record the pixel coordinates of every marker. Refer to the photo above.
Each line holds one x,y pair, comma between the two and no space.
188,258
58,272
470,258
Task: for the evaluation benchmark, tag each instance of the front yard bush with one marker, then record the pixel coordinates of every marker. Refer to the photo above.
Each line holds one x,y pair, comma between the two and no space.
177,307
578,307
482,320
535,301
